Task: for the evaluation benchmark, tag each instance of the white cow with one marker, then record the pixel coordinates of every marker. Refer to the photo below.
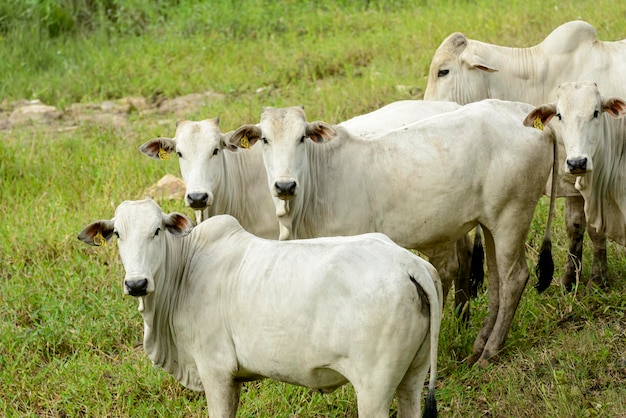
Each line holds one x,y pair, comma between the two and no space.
466,70
421,185
223,182
394,116
218,180
222,306
594,135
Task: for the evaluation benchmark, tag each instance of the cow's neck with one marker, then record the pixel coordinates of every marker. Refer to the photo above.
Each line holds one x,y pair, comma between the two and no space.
242,176
518,70
603,188
311,210
159,309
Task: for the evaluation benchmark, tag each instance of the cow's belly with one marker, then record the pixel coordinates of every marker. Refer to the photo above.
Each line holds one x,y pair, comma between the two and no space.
324,379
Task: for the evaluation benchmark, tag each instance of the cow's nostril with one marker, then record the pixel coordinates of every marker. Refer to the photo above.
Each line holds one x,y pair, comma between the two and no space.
198,200
285,188
137,287
578,165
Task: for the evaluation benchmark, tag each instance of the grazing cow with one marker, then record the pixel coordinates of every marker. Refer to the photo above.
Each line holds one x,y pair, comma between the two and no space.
466,70
222,306
218,180
421,185
594,135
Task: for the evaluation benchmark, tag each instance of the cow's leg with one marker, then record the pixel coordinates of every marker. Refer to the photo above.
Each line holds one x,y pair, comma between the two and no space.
600,267
222,395
513,272
575,224
444,259
409,391
462,278
374,397
493,292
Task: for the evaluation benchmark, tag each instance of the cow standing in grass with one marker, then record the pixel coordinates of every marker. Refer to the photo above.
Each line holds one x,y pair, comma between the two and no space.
593,132
466,70
222,307
423,185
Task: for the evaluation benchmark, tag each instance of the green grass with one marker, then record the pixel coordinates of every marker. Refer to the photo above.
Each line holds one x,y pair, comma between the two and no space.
70,342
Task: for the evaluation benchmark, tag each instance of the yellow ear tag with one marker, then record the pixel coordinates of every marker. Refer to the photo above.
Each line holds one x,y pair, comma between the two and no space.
99,240
163,155
538,124
245,143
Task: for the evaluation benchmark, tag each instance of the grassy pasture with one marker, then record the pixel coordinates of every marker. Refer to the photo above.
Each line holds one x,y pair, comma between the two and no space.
70,343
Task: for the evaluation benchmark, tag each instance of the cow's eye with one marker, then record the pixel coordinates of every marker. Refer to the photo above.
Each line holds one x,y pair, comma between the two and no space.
596,114
558,115
157,231
116,234
443,73
302,139
180,154
264,139
215,151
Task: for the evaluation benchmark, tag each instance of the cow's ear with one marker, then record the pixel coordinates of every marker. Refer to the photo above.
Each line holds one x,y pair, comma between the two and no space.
320,131
243,137
158,148
614,106
477,62
97,233
178,224
540,116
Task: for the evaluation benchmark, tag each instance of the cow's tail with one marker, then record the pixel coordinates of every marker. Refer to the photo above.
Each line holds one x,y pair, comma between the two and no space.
477,271
435,294
545,266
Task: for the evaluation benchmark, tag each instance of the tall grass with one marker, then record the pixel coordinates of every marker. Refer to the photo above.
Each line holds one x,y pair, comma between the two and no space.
70,342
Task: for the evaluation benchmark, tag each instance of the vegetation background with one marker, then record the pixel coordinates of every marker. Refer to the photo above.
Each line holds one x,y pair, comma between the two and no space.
70,342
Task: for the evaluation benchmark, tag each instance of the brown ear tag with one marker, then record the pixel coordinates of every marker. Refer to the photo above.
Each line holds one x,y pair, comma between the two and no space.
538,124
99,240
163,155
244,142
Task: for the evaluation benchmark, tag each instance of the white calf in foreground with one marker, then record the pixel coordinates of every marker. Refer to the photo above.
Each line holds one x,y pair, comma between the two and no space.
594,135
218,180
221,307
424,186
466,70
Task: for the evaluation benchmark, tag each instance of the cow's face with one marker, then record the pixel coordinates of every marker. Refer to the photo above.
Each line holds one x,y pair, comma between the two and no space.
284,133
579,117
200,148
458,73
141,229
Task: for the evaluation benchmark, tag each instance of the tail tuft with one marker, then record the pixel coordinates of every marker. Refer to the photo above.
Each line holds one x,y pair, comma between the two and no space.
430,410
545,266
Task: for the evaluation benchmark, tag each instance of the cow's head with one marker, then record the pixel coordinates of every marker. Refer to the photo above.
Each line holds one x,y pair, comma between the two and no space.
458,72
141,228
200,147
283,132
579,112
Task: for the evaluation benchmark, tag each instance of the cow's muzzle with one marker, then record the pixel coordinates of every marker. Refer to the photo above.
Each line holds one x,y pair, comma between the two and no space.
136,287
198,200
285,189
577,165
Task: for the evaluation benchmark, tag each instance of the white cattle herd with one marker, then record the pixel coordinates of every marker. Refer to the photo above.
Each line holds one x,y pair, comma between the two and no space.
299,269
